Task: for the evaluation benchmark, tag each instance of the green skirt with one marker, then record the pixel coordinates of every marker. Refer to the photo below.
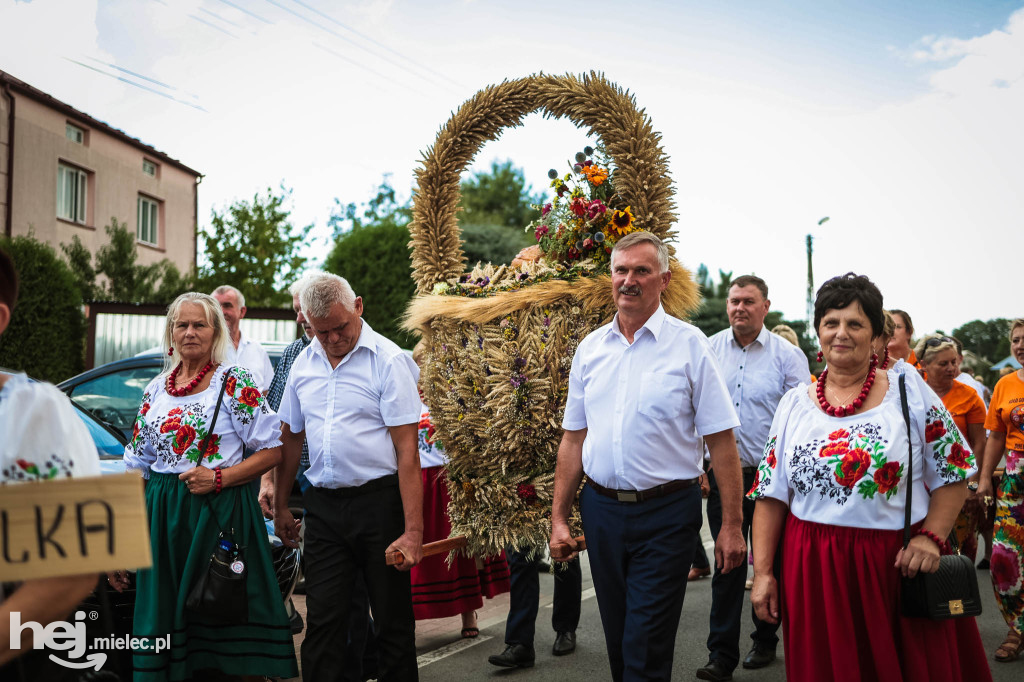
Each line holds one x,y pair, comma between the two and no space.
182,537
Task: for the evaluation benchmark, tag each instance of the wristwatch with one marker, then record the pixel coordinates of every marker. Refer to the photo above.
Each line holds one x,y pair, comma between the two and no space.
972,486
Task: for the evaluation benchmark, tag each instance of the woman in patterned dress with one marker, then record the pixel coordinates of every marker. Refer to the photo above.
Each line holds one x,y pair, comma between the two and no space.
1006,423
195,489
832,488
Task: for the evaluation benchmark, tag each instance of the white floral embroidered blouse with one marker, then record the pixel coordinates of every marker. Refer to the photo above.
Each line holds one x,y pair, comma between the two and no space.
169,431
851,471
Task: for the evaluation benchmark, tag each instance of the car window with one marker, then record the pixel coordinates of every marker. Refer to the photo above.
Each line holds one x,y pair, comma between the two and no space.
115,397
107,443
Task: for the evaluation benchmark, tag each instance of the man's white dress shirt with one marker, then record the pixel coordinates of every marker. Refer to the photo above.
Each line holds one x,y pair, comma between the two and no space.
646,405
250,354
346,411
978,387
758,375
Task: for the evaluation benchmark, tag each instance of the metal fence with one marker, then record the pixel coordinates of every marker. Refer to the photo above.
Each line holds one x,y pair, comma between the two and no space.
120,330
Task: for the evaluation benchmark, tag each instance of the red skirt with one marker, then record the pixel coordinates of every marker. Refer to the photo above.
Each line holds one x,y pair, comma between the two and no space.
841,613
440,590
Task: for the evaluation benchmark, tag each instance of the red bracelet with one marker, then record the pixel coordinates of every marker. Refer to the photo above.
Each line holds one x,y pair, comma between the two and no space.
942,544
217,483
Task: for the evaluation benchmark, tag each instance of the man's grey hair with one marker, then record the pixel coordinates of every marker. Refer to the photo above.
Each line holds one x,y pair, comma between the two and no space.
228,289
634,239
323,291
298,285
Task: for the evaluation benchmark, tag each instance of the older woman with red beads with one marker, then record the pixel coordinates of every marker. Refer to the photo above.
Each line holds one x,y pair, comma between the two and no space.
197,497
833,481
939,358
1005,421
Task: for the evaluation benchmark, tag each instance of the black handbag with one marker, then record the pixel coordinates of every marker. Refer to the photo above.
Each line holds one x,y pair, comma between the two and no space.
219,594
950,592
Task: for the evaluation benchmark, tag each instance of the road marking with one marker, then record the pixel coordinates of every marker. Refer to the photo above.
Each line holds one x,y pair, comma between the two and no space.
449,649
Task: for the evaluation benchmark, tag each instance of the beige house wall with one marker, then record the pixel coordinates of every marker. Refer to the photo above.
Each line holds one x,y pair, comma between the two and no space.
115,182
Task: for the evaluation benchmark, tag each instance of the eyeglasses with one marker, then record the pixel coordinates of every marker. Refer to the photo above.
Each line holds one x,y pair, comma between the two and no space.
938,341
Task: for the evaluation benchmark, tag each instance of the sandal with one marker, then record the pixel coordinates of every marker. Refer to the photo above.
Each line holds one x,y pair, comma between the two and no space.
1011,647
471,633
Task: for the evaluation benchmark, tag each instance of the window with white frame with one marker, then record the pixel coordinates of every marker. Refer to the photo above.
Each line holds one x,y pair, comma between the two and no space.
149,212
72,188
148,167
74,133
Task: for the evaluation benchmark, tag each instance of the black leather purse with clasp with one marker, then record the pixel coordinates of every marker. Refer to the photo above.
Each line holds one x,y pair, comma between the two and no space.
219,594
950,592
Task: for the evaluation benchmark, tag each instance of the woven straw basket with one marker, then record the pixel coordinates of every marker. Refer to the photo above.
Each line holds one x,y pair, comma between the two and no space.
497,368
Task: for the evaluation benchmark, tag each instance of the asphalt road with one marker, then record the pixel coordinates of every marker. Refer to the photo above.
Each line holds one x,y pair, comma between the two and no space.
459,659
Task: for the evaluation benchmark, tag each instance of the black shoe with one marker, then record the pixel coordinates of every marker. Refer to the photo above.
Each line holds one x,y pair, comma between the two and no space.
715,672
514,656
983,565
759,657
565,643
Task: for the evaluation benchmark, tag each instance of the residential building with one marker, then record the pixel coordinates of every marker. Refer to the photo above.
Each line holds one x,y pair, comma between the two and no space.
64,173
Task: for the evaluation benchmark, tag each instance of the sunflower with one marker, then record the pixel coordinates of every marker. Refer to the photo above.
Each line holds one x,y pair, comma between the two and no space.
622,221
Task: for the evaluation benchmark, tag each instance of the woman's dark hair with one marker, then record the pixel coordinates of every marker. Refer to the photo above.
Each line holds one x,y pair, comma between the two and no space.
8,281
841,291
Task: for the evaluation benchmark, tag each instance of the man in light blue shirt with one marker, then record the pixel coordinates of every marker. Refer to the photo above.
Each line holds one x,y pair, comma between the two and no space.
759,368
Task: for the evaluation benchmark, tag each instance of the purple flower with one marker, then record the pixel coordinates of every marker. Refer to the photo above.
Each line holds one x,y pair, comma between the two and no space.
595,208
541,231
516,380
547,209
520,362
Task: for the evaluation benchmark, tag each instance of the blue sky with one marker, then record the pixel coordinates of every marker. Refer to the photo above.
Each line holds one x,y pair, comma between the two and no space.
900,120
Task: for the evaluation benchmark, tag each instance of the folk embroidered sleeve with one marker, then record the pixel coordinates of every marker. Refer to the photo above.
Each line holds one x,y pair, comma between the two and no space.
256,424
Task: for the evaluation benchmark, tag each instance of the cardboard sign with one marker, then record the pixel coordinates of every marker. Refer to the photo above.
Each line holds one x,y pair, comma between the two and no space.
73,525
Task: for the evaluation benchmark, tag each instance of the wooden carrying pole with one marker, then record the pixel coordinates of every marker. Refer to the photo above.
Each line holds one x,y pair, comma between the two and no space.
395,557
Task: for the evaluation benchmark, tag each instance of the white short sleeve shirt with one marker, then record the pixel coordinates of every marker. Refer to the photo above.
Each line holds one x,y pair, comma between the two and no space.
251,355
346,411
646,405
758,375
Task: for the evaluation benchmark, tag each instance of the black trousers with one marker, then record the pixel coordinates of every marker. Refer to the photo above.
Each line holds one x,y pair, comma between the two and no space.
524,597
346,535
634,559
727,589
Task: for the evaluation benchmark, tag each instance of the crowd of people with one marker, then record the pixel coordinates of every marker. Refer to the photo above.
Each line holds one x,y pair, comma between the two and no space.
813,471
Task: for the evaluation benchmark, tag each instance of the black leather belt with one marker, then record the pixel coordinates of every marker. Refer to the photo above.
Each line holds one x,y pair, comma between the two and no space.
642,495
389,481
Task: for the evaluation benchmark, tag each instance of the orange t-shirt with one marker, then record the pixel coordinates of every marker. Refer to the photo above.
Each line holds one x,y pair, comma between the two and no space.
1006,411
964,406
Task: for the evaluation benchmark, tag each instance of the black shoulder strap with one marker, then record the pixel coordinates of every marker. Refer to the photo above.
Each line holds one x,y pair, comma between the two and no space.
910,460
209,439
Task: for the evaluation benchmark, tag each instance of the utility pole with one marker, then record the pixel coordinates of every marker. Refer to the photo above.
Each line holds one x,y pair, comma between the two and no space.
810,279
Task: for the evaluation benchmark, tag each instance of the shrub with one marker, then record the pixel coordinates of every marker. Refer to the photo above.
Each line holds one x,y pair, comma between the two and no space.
46,336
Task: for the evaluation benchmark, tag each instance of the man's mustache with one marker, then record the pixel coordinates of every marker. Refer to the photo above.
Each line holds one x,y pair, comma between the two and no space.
631,291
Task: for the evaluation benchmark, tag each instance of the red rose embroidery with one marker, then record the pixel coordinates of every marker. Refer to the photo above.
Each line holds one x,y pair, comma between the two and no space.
958,456
837,435
145,409
757,481
837,448
230,383
170,425
853,467
887,477
135,431
176,410
770,459
934,431
209,449
250,396
183,438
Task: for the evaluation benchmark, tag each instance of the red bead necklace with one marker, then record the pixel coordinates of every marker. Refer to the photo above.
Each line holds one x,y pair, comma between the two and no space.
844,410
190,386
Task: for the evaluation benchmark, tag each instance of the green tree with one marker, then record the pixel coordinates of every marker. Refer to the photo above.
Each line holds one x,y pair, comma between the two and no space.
46,335
499,197
371,251
125,278
253,246
989,340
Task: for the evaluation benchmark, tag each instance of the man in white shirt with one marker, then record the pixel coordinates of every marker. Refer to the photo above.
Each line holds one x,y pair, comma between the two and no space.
759,368
643,390
352,394
243,351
